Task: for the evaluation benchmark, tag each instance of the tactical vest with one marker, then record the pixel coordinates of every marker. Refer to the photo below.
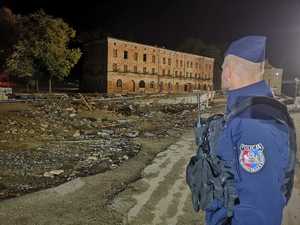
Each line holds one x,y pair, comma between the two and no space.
208,176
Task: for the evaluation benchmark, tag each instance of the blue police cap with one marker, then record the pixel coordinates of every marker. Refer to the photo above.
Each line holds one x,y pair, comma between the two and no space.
252,48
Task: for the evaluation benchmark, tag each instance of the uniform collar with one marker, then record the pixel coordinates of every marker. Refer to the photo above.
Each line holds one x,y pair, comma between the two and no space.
257,89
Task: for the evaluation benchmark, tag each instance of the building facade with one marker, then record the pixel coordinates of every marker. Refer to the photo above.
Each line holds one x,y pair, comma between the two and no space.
118,66
273,77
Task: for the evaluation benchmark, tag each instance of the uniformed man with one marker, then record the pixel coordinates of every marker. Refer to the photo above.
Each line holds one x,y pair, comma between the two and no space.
253,144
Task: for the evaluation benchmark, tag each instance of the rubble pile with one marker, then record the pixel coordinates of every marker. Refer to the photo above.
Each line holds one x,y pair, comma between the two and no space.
57,139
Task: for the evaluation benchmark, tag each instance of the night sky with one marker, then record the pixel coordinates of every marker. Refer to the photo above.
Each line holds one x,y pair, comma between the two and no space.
168,23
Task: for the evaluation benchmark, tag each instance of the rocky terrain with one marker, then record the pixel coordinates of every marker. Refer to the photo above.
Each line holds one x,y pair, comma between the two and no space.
49,141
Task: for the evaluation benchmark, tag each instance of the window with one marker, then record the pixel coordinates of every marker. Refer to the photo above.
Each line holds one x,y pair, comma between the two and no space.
115,67
135,56
169,85
153,59
125,68
185,87
177,86
196,65
144,70
176,73
152,84
153,70
187,74
176,62
135,69
191,64
119,83
169,72
145,57
163,72
180,73
164,60
181,63
115,52
187,64
169,61
125,54
191,75
142,84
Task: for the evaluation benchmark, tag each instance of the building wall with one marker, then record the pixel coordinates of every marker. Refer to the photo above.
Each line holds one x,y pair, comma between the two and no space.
138,68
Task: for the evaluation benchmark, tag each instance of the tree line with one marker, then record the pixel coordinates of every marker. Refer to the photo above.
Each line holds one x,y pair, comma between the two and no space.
35,47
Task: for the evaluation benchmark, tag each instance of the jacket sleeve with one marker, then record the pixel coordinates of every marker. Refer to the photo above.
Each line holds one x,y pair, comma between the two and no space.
260,151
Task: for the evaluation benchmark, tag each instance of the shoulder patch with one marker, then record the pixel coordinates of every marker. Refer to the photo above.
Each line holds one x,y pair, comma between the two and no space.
252,157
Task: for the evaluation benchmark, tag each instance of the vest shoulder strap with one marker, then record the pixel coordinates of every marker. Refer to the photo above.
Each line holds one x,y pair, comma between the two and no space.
261,100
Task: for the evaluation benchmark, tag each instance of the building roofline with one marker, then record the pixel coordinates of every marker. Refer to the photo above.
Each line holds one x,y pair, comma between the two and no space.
157,47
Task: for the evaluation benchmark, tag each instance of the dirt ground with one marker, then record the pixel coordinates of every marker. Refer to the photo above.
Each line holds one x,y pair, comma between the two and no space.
59,138
162,196
82,200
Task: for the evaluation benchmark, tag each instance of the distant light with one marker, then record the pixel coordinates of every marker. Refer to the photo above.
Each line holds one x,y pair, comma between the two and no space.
277,74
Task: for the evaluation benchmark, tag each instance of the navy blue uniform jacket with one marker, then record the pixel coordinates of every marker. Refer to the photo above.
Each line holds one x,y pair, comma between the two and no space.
258,182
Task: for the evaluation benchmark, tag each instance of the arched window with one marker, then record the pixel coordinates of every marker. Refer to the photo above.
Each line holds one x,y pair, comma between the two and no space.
133,85
119,83
142,84
185,87
152,84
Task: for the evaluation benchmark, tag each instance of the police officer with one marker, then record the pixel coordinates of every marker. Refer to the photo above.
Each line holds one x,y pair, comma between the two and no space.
255,148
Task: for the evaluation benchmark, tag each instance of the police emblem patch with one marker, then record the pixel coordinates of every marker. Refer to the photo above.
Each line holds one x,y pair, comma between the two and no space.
252,157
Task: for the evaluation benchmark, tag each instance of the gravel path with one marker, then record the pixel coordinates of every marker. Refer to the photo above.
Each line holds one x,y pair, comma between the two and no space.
162,196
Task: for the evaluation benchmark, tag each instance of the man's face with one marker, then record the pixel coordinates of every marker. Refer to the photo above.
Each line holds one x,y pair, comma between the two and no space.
225,75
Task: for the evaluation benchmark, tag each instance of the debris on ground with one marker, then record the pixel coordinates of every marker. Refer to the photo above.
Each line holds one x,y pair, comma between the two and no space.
55,139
